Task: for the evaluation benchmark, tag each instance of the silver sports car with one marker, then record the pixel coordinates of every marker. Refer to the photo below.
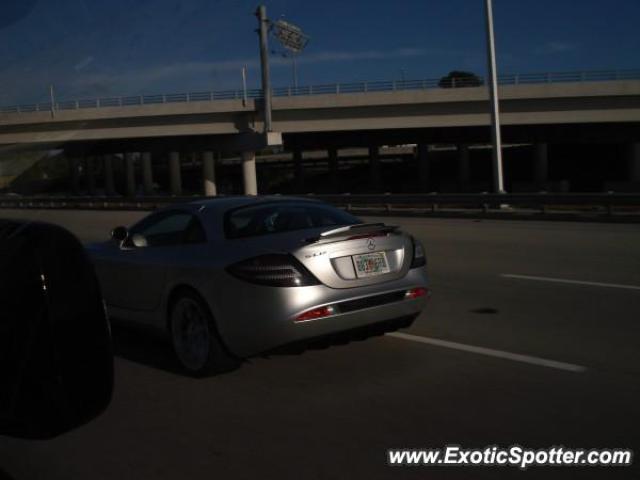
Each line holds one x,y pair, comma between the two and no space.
231,277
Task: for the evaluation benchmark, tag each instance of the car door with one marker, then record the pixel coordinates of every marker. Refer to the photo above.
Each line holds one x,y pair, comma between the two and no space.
139,272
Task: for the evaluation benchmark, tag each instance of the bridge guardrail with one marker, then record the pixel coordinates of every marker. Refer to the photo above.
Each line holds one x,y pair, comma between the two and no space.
396,202
486,201
333,88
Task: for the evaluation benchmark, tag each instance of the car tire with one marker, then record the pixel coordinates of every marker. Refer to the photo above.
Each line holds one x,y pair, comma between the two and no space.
195,338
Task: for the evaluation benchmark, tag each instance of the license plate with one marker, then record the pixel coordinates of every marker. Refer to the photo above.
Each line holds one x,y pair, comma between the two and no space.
371,264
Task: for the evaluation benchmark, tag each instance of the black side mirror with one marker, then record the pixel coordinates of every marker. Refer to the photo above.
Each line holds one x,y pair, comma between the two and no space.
56,362
120,234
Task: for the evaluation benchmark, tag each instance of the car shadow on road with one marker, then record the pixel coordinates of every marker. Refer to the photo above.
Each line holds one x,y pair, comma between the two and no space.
143,346
148,347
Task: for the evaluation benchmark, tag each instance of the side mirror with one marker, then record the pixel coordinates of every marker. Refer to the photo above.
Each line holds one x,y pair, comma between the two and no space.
56,361
120,234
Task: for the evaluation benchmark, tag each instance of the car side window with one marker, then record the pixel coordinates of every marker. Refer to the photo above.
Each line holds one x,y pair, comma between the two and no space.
170,228
195,232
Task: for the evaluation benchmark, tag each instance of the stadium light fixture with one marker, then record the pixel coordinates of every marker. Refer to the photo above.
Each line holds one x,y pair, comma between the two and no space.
290,36
293,39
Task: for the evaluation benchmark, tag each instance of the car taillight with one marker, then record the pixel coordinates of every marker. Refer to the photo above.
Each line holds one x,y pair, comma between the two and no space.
419,258
315,313
275,270
416,293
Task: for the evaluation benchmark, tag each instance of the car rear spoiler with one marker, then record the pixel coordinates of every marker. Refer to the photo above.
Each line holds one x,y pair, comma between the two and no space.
359,229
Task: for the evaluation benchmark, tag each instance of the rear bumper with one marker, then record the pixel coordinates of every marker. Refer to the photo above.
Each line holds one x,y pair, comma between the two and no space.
260,318
345,336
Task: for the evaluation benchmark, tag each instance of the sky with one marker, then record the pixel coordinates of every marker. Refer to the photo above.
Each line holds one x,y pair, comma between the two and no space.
102,48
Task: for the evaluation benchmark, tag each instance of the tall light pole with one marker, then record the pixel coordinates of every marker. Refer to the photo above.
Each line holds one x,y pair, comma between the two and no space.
295,71
263,31
52,100
498,180
244,86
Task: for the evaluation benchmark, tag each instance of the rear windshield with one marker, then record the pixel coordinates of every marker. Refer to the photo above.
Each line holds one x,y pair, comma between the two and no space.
283,217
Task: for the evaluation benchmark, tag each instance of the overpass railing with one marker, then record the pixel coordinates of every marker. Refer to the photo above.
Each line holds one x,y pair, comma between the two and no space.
323,89
606,204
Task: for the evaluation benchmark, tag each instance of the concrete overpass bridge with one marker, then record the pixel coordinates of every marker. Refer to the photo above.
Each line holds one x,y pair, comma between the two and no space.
581,107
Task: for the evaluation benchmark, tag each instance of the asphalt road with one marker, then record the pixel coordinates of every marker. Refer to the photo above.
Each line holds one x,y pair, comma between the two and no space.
497,358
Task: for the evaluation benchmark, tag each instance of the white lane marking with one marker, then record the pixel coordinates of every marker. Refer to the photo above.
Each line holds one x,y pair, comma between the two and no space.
516,357
575,282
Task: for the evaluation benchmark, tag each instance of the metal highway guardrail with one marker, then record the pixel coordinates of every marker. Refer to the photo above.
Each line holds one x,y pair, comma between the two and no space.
332,88
485,202
429,202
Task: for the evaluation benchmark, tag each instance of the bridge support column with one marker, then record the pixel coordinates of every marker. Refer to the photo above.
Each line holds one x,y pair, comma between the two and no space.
374,168
147,173
90,169
130,169
334,169
249,173
109,183
633,159
209,174
424,166
298,171
541,164
175,176
464,167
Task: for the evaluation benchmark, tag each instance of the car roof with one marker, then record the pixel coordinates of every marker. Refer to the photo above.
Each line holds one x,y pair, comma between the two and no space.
226,203
211,211
222,204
